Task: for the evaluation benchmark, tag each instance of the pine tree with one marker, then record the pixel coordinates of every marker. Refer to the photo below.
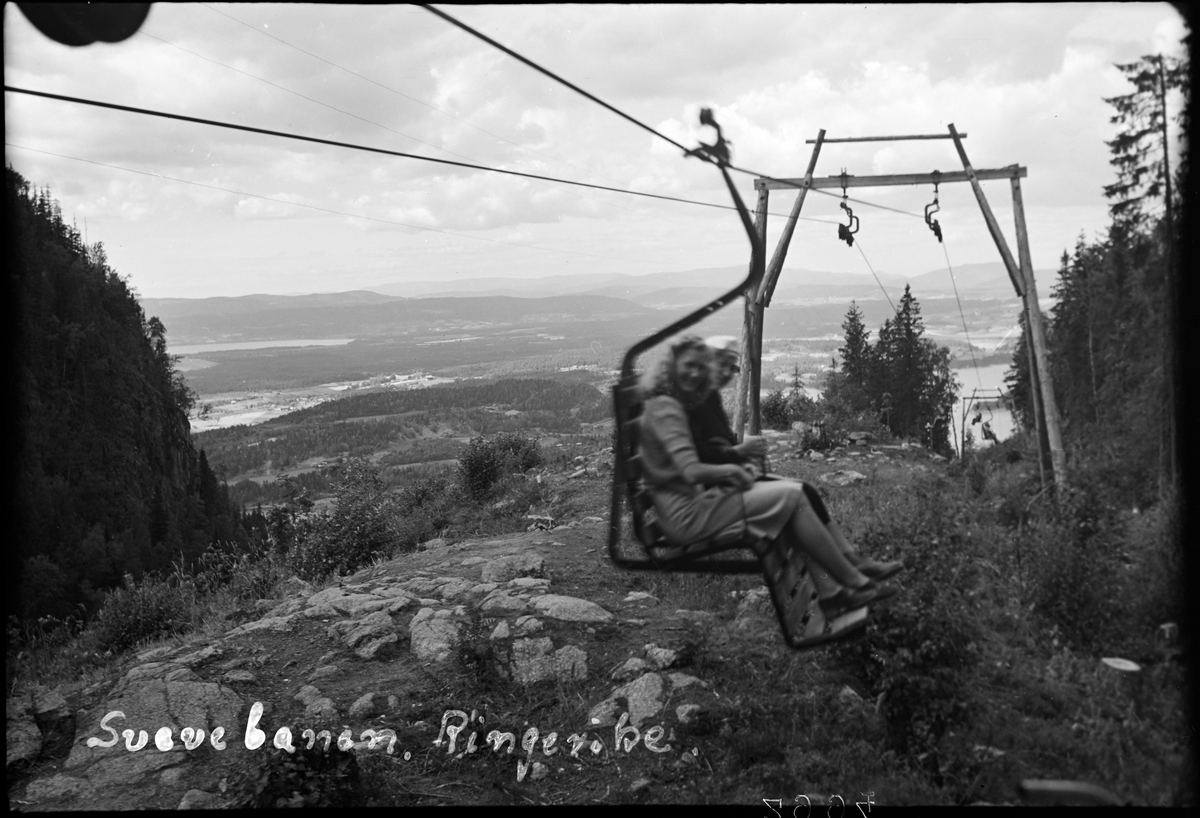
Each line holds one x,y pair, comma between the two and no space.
855,354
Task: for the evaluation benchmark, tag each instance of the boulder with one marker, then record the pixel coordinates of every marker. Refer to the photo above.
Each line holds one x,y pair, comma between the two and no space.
199,799
517,565
631,669
365,706
434,636
501,631
661,658
281,624
641,596
370,648
354,633
528,624
842,478
149,705
55,721
531,662
22,738
503,602
570,609
56,786
570,664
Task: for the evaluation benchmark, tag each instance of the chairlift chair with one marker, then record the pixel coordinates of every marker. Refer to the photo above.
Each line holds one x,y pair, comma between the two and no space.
784,568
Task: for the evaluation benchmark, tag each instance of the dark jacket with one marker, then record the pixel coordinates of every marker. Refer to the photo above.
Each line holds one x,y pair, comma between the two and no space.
713,436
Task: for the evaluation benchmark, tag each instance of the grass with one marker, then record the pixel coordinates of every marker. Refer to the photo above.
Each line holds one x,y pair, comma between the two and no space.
970,680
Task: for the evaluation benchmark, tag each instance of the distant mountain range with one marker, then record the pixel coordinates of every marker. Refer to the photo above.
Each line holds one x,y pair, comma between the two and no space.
674,289
554,303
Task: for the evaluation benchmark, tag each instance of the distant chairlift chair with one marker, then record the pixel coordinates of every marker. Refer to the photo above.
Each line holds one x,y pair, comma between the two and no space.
784,569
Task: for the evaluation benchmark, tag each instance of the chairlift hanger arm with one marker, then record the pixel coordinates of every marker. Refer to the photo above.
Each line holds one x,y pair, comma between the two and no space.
888,138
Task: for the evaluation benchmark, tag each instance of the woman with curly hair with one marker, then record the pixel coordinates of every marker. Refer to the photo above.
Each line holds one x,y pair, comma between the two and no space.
689,512
716,442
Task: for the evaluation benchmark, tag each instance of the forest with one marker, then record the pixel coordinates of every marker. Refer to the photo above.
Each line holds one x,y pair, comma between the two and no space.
108,481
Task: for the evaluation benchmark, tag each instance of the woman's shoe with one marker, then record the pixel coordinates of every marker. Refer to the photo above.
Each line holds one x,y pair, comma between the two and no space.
847,600
879,571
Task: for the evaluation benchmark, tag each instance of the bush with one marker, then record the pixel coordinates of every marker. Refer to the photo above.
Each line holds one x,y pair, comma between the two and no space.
922,645
484,461
361,529
305,778
139,612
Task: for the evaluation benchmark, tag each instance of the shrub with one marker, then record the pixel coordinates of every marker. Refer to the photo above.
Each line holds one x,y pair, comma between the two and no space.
305,778
138,612
922,645
484,461
362,527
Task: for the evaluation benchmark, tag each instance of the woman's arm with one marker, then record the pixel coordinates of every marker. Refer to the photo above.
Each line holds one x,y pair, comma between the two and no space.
731,473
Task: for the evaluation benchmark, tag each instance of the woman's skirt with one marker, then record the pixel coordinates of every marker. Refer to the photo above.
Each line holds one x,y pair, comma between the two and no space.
763,510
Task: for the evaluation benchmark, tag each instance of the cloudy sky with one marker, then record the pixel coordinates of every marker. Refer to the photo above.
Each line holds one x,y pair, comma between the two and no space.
187,210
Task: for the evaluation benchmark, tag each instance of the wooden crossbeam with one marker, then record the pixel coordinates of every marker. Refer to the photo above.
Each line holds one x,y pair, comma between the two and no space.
1010,172
887,138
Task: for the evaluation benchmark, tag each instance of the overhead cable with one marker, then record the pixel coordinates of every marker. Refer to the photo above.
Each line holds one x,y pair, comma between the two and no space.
548,73
400,93
328,210
623,114
353,146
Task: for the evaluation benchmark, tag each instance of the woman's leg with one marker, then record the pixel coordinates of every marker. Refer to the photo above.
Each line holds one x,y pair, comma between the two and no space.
825,556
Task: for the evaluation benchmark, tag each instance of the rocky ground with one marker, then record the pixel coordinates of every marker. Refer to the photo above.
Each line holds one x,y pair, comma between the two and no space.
533,634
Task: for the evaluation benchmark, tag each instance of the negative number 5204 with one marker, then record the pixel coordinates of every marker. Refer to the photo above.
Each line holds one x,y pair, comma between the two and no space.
835,802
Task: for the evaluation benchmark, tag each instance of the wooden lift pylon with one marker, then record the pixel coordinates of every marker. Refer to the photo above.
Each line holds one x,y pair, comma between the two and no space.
747,418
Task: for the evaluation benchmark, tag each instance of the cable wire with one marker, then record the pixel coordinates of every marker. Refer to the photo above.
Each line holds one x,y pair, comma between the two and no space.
858,244
970,346
624,115
326,209
548,73
402,94
353,146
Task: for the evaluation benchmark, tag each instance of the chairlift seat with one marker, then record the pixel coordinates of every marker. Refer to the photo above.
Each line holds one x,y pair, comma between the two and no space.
784,569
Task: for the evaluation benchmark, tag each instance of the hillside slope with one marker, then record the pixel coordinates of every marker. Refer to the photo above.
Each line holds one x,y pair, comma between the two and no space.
538,634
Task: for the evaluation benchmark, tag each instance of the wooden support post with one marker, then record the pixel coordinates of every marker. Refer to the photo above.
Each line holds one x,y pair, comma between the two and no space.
785,238
1058,457
747,416
748,378
1035,392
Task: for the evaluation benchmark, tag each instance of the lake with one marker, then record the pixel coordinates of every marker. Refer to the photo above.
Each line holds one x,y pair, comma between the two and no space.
199,349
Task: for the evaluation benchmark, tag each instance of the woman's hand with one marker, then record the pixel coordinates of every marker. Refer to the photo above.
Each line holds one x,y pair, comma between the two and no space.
752,447
737,476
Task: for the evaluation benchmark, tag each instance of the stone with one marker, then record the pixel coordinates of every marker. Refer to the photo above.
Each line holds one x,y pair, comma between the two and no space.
201,656
815,455
22,738
661,658
199,799
322,611
756,602
686,713
369,627
604,714
364,707
643,695
842,478
433,635
539,771
370,648
321,711
55,721
530,663
239,676
150,705
453,587
279,624
631,669
324,672
503,602
592,520
297,586
528,624
527,582
469,561
570,664
501,631
429,545
848,696
56,786
286,607
641,596
171,777
639,785
482,588
681,680
517,565
570,609
307,695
